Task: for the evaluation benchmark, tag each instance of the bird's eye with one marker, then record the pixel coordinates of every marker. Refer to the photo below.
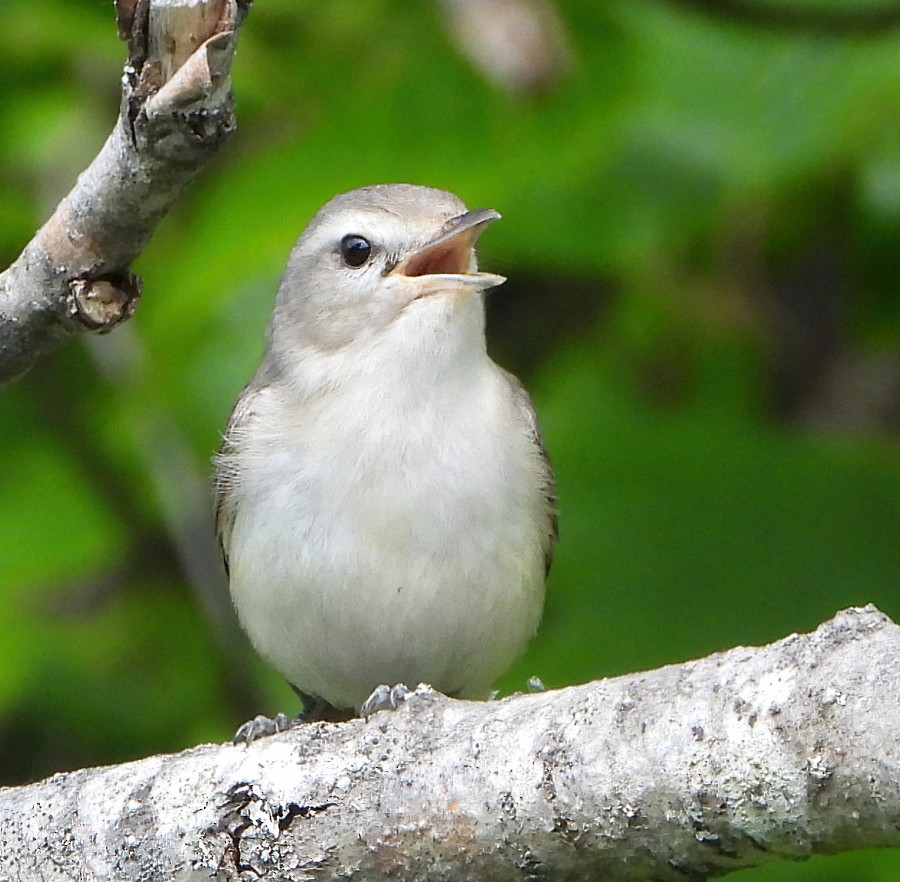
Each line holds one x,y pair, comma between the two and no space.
355,250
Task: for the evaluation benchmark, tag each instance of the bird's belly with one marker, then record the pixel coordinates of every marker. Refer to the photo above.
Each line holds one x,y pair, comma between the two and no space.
402,569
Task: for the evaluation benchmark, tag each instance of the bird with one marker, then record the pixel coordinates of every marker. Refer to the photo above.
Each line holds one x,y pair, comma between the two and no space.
384,501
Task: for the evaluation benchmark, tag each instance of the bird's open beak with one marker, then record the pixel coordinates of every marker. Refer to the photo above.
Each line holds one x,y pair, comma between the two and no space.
448,258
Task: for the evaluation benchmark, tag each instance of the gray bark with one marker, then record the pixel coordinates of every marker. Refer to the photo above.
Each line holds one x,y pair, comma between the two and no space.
686,772
176,112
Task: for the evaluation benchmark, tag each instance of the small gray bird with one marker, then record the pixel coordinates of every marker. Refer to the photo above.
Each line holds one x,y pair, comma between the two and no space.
383,500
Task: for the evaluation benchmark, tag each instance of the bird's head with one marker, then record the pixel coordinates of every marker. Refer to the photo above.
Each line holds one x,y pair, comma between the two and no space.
375,256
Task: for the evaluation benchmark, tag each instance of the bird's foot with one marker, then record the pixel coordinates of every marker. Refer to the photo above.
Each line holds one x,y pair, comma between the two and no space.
384,698
261,726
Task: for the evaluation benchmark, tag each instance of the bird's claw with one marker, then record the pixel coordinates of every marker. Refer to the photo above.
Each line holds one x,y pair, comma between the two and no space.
261,726
383,698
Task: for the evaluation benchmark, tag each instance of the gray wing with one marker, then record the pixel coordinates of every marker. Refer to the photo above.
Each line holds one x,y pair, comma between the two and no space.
548,487
227,475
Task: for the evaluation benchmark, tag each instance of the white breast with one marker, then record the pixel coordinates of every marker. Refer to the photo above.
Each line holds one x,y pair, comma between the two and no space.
390,530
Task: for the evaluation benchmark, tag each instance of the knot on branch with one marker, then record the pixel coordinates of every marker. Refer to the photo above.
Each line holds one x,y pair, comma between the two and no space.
100,304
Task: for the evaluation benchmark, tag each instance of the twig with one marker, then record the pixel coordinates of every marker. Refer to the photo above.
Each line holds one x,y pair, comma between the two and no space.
176,112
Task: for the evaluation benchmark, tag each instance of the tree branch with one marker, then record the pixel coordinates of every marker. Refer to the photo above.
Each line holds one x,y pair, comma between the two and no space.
686,772
858,20
176,112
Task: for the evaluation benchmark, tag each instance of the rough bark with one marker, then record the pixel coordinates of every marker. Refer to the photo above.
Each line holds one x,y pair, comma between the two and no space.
176,112
686,772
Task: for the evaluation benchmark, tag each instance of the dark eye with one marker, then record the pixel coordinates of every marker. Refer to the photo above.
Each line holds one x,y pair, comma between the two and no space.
355,250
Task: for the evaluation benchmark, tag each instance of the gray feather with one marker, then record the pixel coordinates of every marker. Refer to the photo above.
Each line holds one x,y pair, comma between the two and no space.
548,485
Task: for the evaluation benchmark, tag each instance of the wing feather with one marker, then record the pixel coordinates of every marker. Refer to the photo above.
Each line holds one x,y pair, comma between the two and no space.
227,473
548,484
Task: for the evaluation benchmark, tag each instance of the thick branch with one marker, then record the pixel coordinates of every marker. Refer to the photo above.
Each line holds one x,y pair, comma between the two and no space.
682,773
176,112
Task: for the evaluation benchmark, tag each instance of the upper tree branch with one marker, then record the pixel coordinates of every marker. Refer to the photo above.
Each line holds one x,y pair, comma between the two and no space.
858,20
681,773
176,112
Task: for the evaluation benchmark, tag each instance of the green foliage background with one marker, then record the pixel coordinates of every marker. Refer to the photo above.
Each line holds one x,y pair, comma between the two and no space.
701,232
